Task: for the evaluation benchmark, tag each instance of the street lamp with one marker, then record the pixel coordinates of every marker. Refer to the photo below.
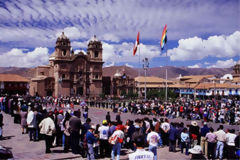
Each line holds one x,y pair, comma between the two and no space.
145,67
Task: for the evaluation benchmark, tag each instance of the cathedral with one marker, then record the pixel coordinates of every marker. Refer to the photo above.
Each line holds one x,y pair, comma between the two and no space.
69,73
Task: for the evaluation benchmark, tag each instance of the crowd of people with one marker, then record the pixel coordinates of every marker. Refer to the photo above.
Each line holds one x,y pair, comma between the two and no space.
58,123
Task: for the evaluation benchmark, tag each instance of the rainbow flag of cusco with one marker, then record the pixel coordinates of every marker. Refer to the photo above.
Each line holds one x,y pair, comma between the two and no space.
164,37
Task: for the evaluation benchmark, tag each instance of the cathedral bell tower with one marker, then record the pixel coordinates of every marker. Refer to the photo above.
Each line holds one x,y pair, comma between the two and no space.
62,49
94,53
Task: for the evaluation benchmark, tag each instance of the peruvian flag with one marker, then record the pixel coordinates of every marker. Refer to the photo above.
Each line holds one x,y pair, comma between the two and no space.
136,44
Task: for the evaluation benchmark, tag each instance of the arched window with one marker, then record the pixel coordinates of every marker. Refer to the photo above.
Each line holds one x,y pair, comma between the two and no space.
64,52
96,54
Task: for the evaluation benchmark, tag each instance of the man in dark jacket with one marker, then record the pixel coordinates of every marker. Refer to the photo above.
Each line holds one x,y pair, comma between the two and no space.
118,117
172,137
108,117
1,123
75,126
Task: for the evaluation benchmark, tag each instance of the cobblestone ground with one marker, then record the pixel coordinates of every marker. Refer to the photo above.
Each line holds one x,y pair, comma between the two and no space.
24,149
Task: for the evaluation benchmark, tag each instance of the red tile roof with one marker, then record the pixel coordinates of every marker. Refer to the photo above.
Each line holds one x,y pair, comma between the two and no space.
12,78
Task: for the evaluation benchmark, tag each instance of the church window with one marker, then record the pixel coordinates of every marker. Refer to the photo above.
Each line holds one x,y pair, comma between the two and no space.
96,76
96,54
64,52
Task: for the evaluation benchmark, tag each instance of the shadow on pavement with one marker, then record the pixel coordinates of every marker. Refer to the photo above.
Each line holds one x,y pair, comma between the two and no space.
6,138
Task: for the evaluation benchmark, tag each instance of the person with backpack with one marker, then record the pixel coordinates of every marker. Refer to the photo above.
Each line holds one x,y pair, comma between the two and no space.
116,140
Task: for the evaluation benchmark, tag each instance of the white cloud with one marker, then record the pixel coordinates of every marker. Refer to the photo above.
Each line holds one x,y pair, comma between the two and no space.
194,66
79,50
215,46
124,52
110,37
77,44
124,18
72,33
24,58
128,65
109,64
223,64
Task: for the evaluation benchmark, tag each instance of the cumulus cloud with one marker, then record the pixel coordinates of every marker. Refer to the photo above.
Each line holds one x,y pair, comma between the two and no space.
197,48
79,44
72,33
223,64
24,58
110,37
194,66
124,52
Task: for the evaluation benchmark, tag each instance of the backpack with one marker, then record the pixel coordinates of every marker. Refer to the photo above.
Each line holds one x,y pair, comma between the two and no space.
113,140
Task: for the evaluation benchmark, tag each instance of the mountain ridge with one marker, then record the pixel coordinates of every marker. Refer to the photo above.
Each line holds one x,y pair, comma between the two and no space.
173,72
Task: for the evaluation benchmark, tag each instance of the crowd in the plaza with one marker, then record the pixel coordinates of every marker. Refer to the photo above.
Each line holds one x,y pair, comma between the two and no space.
58,123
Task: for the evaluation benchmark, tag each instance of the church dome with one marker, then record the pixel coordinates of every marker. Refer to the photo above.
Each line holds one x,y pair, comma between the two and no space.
94,39
117,74
62,36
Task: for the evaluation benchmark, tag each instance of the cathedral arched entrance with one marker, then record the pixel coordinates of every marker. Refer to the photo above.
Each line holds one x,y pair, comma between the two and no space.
80,91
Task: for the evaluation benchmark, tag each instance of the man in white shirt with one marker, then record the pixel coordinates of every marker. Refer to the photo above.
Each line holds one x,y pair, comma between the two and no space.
230,141
221,137
103,136
165,127
140,153
152,139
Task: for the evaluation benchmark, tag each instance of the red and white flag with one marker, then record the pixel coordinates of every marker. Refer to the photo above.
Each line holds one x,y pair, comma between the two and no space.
136,44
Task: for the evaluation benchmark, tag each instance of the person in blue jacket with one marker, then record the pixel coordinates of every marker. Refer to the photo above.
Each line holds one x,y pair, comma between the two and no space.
91,139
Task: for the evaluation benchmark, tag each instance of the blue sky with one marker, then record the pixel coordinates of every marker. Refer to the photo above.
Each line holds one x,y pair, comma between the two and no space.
201,33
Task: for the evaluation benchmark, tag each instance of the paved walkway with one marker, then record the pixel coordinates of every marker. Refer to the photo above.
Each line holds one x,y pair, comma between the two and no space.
24,149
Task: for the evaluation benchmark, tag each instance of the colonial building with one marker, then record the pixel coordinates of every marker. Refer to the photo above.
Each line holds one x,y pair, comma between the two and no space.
13,84
152,83
69,74
120,84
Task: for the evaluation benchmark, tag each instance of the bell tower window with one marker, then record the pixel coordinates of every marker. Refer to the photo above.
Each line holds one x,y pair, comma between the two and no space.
96,54
64,52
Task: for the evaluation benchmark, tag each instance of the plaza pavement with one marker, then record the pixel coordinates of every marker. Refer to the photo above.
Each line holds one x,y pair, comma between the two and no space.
23,149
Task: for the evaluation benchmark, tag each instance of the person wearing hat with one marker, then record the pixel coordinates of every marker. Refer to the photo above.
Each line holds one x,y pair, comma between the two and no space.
91,139
103,136
196,152
194,133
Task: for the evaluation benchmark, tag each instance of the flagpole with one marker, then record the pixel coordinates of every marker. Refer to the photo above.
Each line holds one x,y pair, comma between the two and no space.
139,70
166,95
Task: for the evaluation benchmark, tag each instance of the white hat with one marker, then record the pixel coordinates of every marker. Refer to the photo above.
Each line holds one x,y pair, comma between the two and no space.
196,150
194,123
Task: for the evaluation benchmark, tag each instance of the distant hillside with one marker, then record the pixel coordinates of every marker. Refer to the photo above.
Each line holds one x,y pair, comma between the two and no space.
25,72
173,72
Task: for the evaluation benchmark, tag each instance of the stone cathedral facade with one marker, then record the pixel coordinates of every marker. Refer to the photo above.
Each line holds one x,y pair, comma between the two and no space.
69,73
